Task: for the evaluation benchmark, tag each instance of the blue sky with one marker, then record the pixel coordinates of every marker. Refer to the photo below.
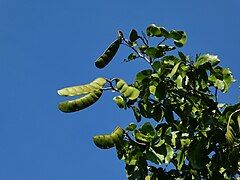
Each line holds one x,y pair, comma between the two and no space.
49,44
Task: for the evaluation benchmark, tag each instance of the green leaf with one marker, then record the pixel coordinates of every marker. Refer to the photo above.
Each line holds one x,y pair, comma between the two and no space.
170,153
180,159
142,137
154,52
180,42
197,154
120,101
95,85
108,55
133,35
179,82
143,75
207,58
131,57
238,119
174,70
153,30
176,35
154,157
227,79
80,103
147,129
131,127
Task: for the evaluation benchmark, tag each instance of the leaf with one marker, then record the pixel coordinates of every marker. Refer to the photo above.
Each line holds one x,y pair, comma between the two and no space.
197,154
238,119
180,42
133,35
147,129
154,157
95,85
207,58
227,79
120,101
176,35
179,82
153,30
131,127
80,103
141,137
170,153
143,75
108,55
154,52
230,134
180,159
131,57
174,70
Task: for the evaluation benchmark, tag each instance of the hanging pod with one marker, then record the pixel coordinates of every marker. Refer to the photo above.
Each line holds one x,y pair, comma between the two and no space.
108,55
126,90
109,140
80,103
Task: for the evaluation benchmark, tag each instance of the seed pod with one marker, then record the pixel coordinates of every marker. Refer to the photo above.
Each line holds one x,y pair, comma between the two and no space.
108,55
127,91
103,141
80,103
117,135
109,140
95,85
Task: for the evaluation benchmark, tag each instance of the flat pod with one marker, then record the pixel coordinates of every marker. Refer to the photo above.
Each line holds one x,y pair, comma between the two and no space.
103,141
127,91
83,89
117,135
108,55
80,103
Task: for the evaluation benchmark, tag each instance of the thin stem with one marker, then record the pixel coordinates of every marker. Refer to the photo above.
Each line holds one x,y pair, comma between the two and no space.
162,41
136,51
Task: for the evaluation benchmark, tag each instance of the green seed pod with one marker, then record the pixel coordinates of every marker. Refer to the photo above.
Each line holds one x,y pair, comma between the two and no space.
120,83
108,55
117,135
120,101
127,91
80,103
103,141
83,89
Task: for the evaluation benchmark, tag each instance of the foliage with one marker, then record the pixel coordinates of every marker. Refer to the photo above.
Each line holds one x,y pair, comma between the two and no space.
181,130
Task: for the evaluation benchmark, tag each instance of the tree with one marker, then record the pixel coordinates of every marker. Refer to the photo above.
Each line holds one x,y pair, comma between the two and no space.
187,133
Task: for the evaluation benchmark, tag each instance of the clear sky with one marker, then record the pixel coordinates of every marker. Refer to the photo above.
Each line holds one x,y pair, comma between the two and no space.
49,44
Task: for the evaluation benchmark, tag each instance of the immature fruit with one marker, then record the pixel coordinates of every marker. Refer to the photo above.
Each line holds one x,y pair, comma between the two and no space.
127,91
109,140
95,85
108,55
80,103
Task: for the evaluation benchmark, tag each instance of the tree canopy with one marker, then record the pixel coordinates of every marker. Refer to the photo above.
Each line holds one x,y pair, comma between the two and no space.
181,130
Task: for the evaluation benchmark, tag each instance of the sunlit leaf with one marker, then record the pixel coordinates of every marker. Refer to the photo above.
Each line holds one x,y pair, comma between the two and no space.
174,70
